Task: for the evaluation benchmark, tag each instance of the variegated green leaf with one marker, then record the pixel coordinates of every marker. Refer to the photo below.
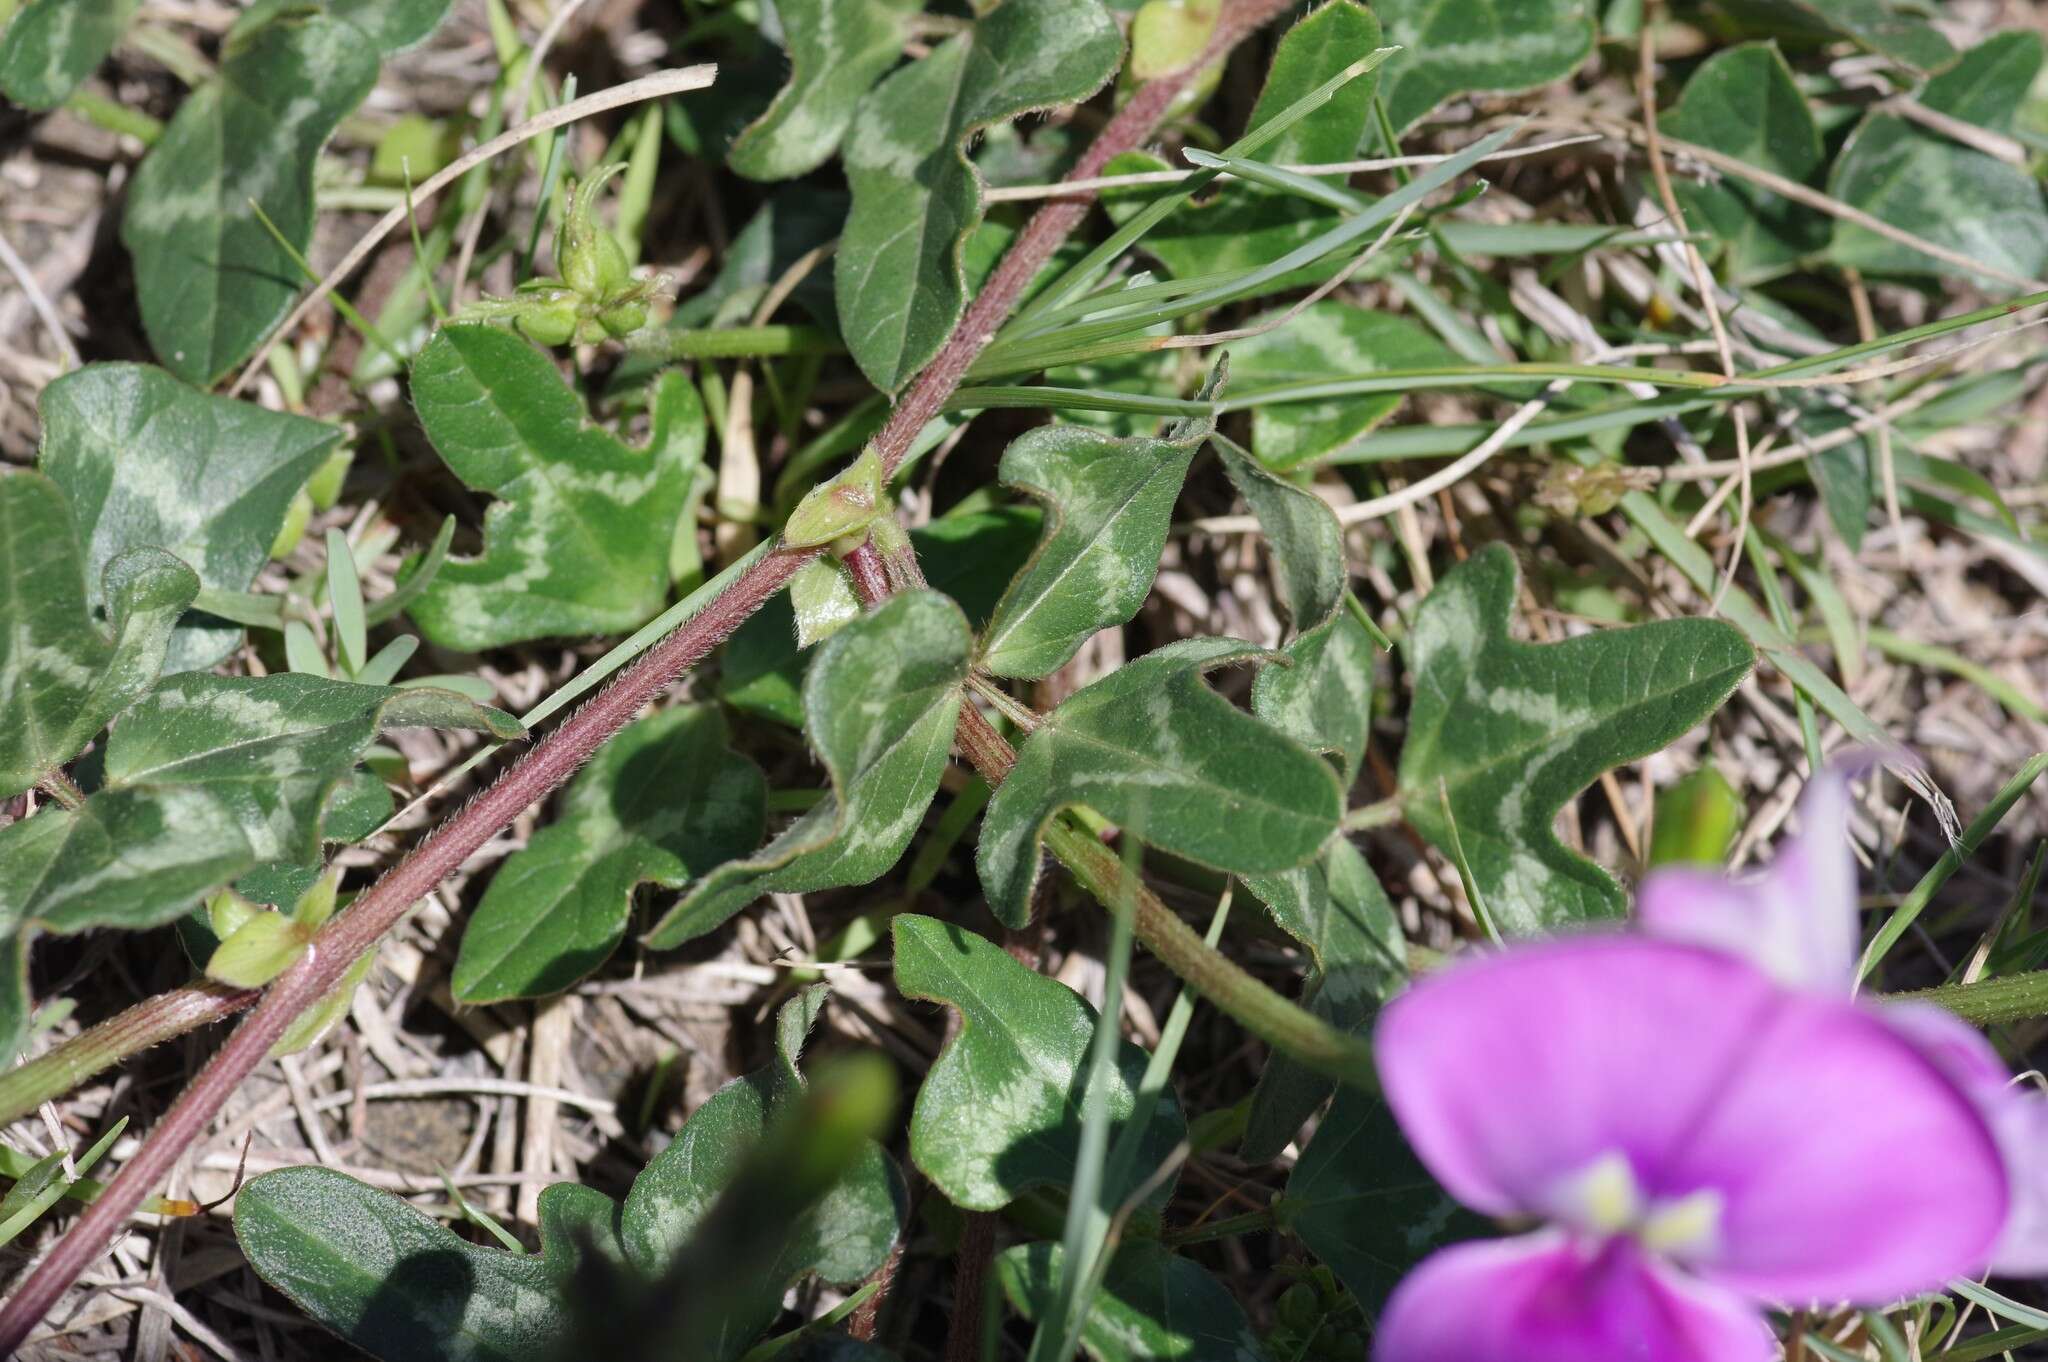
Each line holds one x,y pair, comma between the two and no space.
663,801
61,676
404,1288
1456,47
837,49
1743,102
50,46
1108,504
1323,698
1246,225
206,778
1882,27
1933,186
915,196
578,541
1152,748
879,705
1154,1306
1502,733
146,461
1306,540
1329,340
1000,1111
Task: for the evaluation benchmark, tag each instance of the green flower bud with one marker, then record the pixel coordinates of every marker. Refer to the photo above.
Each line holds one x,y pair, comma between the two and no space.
624,319
590,257
551,323
843,507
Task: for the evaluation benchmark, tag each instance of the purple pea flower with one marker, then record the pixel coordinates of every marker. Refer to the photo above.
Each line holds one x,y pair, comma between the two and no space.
1703,1122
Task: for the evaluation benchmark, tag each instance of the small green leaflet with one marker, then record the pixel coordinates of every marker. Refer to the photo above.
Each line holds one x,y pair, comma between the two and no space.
147,462
61,677
1933,186
1329,340
1108,505
1364,1204
663,801
206,778
53,45
1336,908
404,1288
838,49
1018,1066
879,705
578,541
1456,47
916,198
1743,101
1306,540
1154,1305
1502,733
1249,225
1151,747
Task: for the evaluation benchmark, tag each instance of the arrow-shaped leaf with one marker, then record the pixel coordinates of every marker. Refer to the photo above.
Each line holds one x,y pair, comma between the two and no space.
915,196
1307,541
1000,1111
146,461
1109,503
837,49
1502,733
1151,747
879,704
663,801
578,541
61,678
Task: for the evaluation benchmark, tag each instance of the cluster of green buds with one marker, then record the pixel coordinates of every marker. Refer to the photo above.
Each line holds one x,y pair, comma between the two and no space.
1316,1318
598,293
845,515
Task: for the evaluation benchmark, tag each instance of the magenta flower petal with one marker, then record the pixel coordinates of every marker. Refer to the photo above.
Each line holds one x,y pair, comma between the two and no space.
1797,921
1842,1163
2017,1115
1543,1299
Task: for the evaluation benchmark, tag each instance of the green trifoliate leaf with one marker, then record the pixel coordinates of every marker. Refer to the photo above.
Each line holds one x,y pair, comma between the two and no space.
916,198
837,50
210,277
1502,733
1874,24
663,801
403,1288
1329,340
1455,47
1109,503
146,461
53,45
1358,959
1307,541
1935,187
1153,1306
206,778
1151,747
1364,1204
879,705
1744,102
1000,1111
61,677
1248,225
578,542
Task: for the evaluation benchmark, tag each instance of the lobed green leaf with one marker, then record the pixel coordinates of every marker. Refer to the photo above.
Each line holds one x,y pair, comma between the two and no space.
837,49
1455,47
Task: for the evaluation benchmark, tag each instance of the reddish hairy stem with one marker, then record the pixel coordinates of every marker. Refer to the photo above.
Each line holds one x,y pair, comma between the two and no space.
553,759
150,1022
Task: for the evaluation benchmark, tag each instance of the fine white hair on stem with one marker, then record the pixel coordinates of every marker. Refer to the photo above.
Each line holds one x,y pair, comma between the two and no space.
656,86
